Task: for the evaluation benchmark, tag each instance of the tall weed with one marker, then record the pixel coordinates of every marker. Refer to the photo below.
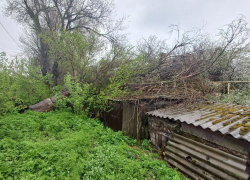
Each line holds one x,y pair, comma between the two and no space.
64,145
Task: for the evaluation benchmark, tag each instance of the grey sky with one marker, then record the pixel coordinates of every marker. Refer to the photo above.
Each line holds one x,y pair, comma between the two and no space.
153,17
9,42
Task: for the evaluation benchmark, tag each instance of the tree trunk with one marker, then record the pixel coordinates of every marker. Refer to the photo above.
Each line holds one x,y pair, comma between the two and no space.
44,59
55,72
44,106
47,105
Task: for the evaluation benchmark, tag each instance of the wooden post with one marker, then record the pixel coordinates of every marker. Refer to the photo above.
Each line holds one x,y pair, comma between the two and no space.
137,121
228,88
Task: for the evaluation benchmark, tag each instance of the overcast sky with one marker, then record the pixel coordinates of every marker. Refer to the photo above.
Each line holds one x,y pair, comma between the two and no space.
153,17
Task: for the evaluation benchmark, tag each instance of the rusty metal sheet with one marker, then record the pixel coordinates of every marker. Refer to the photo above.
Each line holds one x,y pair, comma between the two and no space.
216,117
200,161
113,118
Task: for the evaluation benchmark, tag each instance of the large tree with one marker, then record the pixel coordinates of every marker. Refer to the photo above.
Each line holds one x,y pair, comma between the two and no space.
40,17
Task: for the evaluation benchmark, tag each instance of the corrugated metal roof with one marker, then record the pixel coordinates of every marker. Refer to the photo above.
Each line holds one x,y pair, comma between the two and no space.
225,118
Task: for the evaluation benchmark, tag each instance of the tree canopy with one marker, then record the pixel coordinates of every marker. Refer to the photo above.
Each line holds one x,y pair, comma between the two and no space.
82,40
50,17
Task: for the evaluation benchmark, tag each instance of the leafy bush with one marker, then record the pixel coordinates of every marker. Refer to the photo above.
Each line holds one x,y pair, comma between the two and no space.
86,98
20,85
238,96
63,145
123,74
83,98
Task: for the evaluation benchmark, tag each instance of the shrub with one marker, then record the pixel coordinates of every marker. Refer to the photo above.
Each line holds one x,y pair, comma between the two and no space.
84,98
20,85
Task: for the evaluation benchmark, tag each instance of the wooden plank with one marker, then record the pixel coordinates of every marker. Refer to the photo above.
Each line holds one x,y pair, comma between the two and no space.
231,81
129,119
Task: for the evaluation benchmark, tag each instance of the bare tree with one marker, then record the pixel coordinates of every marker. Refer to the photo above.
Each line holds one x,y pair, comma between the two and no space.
191,56
151,49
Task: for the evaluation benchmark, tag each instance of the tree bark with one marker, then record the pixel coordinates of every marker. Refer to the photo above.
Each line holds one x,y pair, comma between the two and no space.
48,104
44,106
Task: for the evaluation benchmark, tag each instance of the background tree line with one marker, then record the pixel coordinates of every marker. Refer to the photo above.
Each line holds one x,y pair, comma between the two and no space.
82,40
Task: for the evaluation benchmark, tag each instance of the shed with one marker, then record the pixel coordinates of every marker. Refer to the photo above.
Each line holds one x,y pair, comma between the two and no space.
129,115
205,140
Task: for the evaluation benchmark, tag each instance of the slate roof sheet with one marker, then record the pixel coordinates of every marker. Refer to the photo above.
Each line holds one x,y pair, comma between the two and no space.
225,118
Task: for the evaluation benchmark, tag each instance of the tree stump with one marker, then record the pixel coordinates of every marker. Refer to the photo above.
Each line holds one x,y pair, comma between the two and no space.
44,106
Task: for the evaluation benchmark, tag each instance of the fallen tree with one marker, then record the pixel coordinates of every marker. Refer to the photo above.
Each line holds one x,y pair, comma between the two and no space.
44,106
48,104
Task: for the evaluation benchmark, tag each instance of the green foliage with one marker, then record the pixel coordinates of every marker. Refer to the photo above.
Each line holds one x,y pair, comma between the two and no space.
20,85
124,74
83,98
77,55
237,96
89,99
63,145
146,144
74,53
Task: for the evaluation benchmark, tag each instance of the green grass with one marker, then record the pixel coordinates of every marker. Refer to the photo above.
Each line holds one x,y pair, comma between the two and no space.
63,145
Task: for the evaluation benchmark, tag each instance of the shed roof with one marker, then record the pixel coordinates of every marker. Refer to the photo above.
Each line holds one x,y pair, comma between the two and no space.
225,118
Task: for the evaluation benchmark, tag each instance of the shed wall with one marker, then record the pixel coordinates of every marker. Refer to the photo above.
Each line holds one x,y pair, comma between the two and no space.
129,123
195,159
228,141
113,118
200,161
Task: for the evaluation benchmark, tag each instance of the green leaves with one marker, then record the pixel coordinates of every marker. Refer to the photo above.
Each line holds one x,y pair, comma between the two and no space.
83,98
73,52
21,85
71,146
